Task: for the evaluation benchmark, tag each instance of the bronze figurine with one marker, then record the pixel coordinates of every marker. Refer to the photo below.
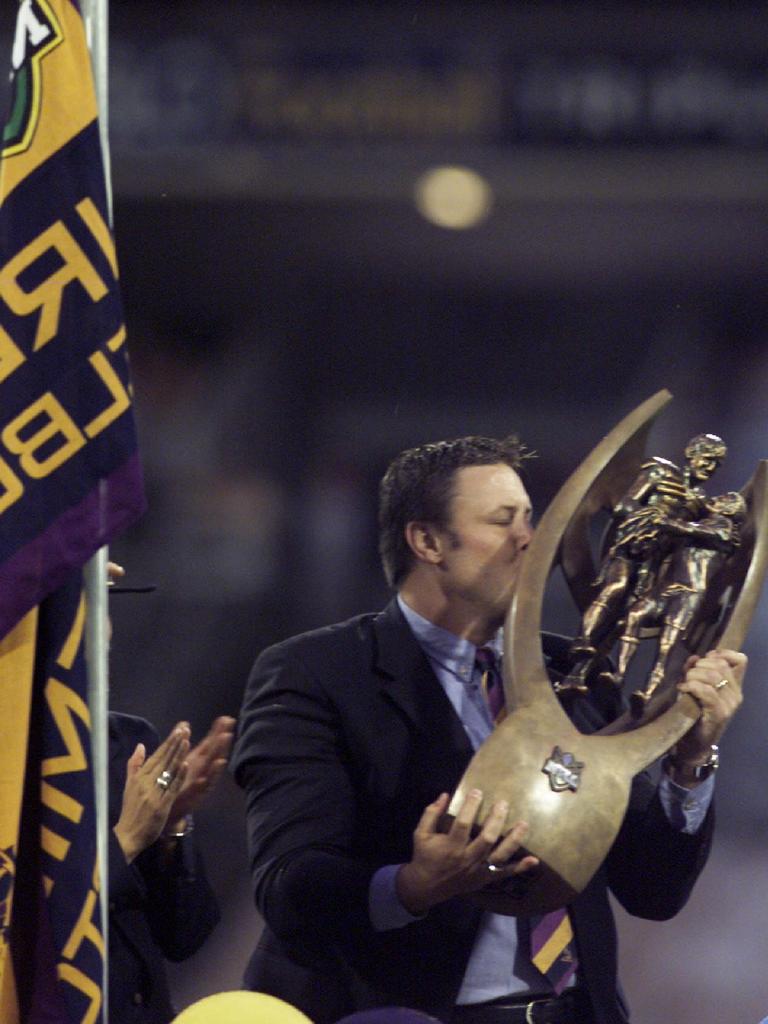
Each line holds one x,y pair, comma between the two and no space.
680,588
641,545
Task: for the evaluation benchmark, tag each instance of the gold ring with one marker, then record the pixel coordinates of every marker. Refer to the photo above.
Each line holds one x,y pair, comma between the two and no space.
721,684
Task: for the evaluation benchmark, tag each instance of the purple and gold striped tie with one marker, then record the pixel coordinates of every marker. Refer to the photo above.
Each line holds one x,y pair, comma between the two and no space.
553,950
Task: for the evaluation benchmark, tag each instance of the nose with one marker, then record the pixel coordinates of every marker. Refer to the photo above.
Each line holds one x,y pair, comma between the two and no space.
526,535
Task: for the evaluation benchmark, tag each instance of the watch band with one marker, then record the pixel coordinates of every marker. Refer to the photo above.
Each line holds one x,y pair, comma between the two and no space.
702,770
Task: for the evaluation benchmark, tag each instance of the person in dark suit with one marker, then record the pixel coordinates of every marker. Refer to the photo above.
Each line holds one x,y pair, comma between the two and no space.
160,903
352,737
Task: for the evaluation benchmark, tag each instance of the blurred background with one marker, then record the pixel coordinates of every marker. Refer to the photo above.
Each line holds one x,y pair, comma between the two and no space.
346,228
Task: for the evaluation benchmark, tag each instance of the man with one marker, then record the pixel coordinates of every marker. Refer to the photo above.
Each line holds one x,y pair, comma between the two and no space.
160,903
352,737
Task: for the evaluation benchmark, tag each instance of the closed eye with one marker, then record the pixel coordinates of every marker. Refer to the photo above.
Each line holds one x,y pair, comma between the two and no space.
509,514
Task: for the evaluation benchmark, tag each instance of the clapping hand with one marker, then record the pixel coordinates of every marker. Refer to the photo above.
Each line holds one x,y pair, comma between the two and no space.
205,764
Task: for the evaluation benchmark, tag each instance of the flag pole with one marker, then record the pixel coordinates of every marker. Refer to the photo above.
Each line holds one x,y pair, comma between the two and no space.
96,21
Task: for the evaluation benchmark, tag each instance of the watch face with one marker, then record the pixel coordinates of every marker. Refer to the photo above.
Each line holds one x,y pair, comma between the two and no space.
712,763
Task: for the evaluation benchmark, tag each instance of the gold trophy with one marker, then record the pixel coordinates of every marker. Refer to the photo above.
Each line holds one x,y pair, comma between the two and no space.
676,567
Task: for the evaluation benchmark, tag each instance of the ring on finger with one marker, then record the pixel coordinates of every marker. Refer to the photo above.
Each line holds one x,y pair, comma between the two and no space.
721,684
164,779
493,868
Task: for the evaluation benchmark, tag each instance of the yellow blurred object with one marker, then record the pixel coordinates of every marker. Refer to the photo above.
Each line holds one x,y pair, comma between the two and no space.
241,1007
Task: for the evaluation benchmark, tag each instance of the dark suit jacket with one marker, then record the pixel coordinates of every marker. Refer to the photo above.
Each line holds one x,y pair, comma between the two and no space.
345,736
158,908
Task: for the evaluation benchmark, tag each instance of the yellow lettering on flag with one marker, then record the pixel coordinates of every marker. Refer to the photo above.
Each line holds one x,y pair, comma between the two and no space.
63,703
46,297
60,802
86,985
58,423
121,398
85,929
11,488
11,356
91,216
55,846
71,645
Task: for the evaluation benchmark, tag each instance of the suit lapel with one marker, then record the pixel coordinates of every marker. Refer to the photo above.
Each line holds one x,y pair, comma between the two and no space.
407,679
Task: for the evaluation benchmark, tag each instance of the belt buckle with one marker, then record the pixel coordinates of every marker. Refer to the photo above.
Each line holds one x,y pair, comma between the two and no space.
530,1008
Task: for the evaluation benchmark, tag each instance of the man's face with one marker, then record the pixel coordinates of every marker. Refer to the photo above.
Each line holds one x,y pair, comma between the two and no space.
703,464
489,528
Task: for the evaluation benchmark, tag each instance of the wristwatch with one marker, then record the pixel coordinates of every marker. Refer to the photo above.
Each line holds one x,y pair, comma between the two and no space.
700,771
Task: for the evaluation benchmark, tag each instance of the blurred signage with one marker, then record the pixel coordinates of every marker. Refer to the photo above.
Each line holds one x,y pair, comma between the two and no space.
193,89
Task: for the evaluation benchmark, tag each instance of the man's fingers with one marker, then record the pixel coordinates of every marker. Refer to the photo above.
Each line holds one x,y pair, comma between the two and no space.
511,843
724,663
715,681
711,671
524,865
503,852
492,828
716,705
431,815
736,660
465,819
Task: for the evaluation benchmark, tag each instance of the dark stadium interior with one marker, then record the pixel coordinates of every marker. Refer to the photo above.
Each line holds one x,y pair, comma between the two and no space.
295,319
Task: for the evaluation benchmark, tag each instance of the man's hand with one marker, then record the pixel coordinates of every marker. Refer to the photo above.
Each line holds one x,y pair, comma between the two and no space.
146,805
205,764
447,864
715,683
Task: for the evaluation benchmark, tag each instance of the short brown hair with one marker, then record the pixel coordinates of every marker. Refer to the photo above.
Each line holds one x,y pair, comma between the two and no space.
418,486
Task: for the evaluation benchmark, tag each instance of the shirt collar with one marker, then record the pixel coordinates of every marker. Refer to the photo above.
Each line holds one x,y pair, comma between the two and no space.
454,653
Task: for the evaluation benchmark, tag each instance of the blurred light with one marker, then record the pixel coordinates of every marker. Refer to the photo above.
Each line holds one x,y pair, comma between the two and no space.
453,197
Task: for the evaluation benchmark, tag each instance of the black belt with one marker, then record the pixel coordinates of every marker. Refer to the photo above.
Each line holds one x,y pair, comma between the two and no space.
572,1007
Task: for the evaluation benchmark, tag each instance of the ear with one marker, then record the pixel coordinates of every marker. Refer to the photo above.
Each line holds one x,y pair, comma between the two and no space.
425,541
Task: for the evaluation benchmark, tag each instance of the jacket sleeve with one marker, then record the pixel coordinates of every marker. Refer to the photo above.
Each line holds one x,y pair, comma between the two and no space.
181,908
653,866
290,757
